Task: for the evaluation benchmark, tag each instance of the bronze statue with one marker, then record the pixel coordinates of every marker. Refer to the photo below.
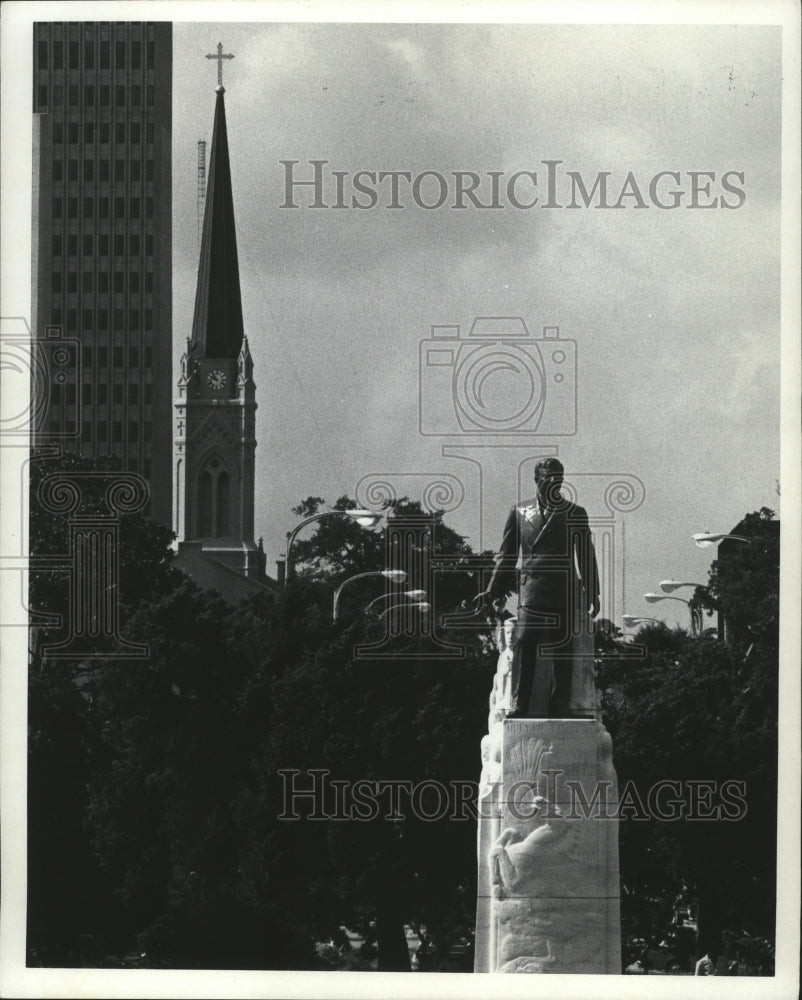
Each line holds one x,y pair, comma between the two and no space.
558,594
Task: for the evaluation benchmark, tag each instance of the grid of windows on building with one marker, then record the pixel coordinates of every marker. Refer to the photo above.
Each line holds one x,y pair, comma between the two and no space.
102,105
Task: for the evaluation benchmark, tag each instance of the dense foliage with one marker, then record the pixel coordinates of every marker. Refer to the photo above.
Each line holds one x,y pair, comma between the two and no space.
703,713
160,830
172,784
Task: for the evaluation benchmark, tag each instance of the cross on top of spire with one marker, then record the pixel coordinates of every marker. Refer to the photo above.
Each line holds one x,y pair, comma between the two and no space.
217,329
219,56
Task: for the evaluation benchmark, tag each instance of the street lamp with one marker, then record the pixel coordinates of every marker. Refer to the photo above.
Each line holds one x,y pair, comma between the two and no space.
697,615
365,518
416,595
671,585
705,538
695,623
397,575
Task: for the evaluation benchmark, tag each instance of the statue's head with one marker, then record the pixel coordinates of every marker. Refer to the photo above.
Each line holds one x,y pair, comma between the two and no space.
548,480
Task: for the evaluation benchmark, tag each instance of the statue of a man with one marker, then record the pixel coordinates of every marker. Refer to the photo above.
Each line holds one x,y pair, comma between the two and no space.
558,587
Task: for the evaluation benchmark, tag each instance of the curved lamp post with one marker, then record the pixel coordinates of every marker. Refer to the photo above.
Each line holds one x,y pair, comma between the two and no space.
695,623
697,615
389,574
422,606
367,518
706,538
671,585
415,595
652,598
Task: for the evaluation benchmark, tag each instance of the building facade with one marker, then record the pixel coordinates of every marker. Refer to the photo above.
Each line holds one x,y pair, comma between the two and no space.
102,240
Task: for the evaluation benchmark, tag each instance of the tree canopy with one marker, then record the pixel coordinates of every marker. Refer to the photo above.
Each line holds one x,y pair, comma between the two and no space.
179,757
703,712
160,827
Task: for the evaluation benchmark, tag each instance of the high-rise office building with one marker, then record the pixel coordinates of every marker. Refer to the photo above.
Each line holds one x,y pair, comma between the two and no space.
101,239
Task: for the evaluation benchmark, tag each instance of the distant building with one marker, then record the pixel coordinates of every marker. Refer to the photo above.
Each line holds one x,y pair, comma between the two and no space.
101,234
215,439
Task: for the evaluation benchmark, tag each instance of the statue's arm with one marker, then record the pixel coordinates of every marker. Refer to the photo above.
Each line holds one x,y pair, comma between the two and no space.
504,579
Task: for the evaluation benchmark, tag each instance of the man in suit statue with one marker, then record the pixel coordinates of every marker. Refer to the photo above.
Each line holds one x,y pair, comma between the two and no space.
558,587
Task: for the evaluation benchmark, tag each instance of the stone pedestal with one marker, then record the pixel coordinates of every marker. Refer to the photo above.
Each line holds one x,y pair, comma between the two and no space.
548,892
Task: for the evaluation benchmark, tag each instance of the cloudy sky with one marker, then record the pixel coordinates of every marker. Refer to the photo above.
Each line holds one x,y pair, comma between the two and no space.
672,315
674,312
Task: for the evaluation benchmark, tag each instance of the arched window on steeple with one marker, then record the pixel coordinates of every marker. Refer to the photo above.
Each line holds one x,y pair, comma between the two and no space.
214,500
222,505
205,505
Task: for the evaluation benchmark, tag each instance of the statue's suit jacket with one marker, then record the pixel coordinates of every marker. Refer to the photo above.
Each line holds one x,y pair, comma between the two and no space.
558,561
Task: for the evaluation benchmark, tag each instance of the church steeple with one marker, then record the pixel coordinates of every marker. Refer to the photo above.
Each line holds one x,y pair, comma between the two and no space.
215,442
217,329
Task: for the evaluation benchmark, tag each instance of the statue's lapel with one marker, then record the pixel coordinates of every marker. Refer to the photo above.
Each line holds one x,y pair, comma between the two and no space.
530,512
547,523
535,523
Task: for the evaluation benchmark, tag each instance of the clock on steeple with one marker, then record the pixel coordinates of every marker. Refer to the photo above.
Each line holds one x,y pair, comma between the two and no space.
216,379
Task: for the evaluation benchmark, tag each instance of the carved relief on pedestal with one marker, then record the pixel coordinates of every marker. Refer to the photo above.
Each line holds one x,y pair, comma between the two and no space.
548,897
551,875
546,922
542,862
551,935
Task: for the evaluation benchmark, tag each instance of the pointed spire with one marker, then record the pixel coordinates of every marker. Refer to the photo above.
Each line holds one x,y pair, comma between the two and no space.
217,329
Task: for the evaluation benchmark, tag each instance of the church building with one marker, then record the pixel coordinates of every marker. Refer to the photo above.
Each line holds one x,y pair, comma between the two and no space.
215,440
